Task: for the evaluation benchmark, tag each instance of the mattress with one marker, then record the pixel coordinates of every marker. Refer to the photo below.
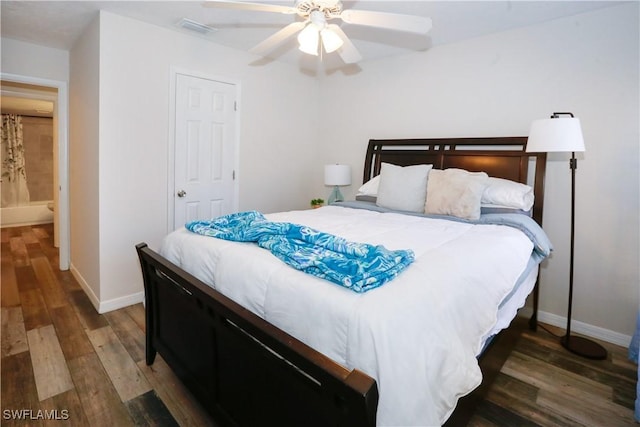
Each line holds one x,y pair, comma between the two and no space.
417,335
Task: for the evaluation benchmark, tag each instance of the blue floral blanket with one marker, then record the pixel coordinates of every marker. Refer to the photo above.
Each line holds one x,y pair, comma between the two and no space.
357,266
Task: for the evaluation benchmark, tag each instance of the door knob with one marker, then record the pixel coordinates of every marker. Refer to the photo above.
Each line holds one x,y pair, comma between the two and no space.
182,193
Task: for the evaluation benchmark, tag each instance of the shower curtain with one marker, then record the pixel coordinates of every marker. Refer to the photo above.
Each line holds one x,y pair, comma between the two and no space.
14,176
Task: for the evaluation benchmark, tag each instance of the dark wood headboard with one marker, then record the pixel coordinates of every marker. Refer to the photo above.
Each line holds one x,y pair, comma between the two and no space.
500,157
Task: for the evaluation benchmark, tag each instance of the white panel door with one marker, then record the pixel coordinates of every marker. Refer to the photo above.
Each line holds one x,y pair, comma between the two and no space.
205,144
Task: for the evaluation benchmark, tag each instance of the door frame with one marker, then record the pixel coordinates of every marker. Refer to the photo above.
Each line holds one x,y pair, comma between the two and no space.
174,72
62,106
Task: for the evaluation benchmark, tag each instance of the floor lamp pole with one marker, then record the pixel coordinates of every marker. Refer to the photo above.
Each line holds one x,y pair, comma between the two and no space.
578,345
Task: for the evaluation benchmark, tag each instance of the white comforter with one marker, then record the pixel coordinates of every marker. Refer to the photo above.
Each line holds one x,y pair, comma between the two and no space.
417,335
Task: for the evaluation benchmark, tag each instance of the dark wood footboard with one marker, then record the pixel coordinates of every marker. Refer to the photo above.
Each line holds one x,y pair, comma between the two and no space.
242,369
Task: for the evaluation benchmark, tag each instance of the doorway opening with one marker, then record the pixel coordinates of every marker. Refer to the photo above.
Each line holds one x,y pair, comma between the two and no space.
42,107
27,155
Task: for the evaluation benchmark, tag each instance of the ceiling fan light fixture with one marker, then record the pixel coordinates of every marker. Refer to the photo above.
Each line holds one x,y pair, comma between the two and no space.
308,39
330,40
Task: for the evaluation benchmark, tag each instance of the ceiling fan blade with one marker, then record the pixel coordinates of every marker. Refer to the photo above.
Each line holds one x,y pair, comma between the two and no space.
277,38
260,7
347,51
392,21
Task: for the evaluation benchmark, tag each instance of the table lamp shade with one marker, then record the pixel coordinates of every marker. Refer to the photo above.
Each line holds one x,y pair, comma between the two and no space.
337,175
562,134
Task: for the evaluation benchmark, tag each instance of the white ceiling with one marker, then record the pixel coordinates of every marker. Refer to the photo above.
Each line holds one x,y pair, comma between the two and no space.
58,24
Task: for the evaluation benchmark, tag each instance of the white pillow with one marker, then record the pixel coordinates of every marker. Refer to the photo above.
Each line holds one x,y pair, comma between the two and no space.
403,188
369,188
506,193
455,192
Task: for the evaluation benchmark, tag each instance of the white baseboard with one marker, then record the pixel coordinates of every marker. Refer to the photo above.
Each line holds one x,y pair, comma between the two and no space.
85,286
586,329
579,327
125,301
109,305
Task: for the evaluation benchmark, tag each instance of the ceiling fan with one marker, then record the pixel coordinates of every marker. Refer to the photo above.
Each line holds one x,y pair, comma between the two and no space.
314,29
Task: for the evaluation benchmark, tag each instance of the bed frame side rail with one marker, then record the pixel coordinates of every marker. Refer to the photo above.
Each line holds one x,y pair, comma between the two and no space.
243,370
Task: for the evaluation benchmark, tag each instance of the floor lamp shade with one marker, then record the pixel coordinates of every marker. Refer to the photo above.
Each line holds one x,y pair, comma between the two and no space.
337,175
564,134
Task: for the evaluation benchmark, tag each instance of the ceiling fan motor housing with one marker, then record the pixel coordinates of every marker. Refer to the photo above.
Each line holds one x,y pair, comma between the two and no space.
330,8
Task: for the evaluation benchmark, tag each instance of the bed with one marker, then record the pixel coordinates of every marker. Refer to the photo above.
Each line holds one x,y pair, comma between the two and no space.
260,343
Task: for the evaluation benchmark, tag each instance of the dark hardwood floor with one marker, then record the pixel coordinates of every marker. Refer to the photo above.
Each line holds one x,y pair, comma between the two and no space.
64,364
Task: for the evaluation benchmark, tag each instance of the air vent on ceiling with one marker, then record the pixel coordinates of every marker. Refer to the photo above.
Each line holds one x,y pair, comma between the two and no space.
191,25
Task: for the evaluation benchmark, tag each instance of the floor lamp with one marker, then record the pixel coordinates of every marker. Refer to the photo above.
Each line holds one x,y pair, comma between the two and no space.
562,133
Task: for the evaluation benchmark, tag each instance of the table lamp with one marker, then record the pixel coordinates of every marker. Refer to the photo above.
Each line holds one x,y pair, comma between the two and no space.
337,175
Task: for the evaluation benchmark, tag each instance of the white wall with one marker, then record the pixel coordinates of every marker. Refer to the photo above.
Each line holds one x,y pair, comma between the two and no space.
28,59
277,138
495,86
84,201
